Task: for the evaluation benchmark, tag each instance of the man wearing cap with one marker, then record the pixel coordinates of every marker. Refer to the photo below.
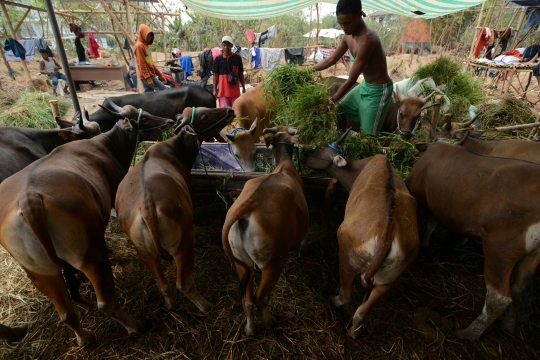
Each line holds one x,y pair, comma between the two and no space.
228,72
367,103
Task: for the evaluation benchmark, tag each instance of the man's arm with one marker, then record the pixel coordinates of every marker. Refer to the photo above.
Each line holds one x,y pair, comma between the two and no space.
241,77
334,58
57,64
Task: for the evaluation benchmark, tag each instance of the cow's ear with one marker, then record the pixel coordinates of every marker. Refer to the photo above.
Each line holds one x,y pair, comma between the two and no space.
268,141
67,135
396,95
63,123
339,161
125,124
421,146
230,137
295,140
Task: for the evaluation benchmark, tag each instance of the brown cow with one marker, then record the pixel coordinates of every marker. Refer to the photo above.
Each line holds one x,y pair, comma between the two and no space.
268,219
242,145
253,105
379,235
55,211
501,211
154,204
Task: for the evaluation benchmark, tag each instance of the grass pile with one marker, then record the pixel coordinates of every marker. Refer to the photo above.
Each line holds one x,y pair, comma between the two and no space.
295,93
504,112
444,280
30,109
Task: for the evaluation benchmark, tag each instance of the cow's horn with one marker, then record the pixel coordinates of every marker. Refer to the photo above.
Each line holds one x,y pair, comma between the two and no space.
113,105
292,131
184,122
113,113
462,141
428,97
448,124
468,123
342,137
271,130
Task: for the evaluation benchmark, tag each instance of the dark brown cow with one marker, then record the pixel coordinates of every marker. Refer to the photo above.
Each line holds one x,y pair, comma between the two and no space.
379,235
268,219
54,212
154,204
488,198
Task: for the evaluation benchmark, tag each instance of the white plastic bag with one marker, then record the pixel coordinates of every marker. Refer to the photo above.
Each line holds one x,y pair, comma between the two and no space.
318,56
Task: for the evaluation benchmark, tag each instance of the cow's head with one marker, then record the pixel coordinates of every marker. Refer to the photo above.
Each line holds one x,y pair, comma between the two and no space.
282,135
78,128
204,123
324,156
452,130
149,125
409,109
242,145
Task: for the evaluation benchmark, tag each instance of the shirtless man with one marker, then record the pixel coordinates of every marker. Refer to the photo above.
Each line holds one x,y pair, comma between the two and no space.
367,103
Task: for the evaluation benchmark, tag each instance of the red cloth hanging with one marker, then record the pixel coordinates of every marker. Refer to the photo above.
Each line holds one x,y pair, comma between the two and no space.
480,43
250,36
93,46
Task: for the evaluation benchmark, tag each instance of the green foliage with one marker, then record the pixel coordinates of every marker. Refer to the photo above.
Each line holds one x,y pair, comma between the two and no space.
30,110
458,83
296,94
330,22
505,111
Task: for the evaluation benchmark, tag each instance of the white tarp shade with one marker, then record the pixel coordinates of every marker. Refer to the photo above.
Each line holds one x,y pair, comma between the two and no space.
327,33
264,9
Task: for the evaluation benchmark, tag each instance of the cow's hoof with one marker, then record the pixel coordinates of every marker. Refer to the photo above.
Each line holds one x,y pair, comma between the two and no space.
509,324
12,334
353,333
250,329
85,338
142,327
205,307
169,304
270,320
466,334
336,300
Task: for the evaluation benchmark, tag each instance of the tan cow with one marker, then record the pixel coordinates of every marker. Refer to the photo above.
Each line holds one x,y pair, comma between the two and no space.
253,105
492,199
154,204
55,211
379,235
242,145
268,219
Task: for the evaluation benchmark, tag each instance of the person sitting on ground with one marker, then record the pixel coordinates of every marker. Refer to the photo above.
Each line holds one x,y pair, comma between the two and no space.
149,74
50,67
368,102
131,76
228,71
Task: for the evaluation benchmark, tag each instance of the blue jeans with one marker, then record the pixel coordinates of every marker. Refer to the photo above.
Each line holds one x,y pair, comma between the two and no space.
157,83
132,84
54,78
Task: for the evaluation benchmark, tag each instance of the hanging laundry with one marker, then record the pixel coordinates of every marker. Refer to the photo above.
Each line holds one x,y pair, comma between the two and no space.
272,32
263,38
294,55
216,52
250,36
325,53
486,36
257,38
255,57
81,54
15,49
128,48
186,64
93,46
271,58
244,53
533,18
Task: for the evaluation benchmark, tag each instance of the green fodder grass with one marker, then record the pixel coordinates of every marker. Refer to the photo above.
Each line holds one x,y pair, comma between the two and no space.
458,84
30,110
296,93
505,111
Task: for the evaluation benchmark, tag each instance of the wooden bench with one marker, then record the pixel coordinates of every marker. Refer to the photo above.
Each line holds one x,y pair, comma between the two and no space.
99,72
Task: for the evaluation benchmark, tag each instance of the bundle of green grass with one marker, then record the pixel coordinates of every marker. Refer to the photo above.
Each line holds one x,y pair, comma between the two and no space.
30,110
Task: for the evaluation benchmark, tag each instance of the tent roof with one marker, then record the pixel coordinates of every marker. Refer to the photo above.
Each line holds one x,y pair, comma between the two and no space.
328,33
263,9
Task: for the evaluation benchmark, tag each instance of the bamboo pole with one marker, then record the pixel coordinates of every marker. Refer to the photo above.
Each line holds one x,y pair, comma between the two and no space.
477,32
487,20
21,21
518,28
10,71
54,108
120,45
164,37
499,18
118,23
130,20
14,35
318,25
518,127
533,132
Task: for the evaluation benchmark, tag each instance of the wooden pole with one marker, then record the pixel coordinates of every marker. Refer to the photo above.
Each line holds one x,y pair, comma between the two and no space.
487,20
435,118
318,25
518,127
117,22
120,47
499,18
129,20
477,31
518,28
164,37
533,132
14,35
10,71
54,108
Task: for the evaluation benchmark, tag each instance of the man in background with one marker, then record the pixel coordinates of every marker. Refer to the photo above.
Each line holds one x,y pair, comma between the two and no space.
131,76
50,67
147,72
228,71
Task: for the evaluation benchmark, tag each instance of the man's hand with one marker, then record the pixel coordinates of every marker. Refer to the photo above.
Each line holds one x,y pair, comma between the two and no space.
150,83
243,90
324,107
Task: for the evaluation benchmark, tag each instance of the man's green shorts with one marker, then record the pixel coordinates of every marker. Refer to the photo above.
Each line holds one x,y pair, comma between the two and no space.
368,104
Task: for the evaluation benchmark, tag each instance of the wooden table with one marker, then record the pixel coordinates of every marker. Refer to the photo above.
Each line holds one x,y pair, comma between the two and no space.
99,72
516,70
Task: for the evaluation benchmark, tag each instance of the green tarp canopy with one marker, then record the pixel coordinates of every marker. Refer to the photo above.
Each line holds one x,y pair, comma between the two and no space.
263,9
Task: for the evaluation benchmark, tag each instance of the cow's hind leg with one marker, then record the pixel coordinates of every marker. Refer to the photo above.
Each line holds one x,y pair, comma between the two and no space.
521,289
497,271
73,283
99,273
15,333
269,278
54,288
346,278
246,293
185,263
153,264
376,293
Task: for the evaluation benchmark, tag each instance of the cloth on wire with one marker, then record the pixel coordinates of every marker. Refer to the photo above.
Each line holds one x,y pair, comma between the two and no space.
255,57
262,38
42,45
206,62
272,32
294,55
271,58
93,46
244,53
16,51
533,18
216,52
81,54
186,64
486,38
127,47
250,36
325,53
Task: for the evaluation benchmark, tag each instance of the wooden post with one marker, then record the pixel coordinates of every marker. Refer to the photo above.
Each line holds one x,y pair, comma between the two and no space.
10,71
14,35
129,19
54,108
487,20
533,132
117,22
518,28
518,127
477,32
318,25
164,36
435,118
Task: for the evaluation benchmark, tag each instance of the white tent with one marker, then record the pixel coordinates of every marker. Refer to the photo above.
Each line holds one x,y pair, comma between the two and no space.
328,33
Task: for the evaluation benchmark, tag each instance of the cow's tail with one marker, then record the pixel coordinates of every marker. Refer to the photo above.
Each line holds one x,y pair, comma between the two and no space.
384,242
31,205
150,218
227,247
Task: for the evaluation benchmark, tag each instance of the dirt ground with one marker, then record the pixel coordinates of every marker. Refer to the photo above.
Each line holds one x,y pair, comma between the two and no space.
441,291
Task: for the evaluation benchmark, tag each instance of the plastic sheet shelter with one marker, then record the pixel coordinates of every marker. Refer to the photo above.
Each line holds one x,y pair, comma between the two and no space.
263,9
